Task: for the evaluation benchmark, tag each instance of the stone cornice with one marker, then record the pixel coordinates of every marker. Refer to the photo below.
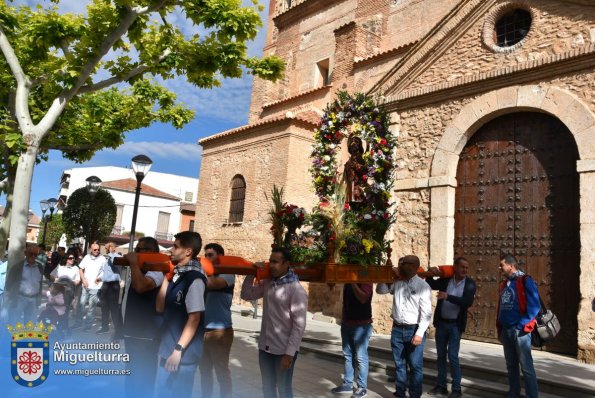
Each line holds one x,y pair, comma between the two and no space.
578,59
288,100
263,140
301,10
282,120
432,45
385,55
411,184
585,166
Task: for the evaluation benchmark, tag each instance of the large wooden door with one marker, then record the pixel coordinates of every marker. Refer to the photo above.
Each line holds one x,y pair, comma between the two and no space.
518,193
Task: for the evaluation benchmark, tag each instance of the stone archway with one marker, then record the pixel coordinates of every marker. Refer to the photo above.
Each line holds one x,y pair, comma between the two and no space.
579,120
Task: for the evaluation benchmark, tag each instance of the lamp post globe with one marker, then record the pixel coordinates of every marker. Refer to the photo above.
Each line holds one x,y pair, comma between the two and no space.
93,184
47,204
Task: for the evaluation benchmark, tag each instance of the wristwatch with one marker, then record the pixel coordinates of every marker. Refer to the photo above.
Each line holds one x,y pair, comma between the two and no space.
179,347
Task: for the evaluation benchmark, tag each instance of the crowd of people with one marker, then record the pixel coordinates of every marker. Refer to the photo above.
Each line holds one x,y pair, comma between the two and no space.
189,314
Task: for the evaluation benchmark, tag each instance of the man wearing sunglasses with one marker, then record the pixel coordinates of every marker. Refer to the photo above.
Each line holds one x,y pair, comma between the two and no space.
218,328
91,268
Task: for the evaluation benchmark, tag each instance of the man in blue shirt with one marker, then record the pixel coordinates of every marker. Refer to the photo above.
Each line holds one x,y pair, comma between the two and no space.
218,328
455,296
110,294
518,306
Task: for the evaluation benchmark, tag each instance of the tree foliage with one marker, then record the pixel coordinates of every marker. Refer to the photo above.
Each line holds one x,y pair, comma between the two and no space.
54,230
90,217
79,83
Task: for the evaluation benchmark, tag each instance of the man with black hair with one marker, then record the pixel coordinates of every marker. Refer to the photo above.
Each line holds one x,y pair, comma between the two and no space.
218,328
518,306
283,322
455,296
182,302
142,322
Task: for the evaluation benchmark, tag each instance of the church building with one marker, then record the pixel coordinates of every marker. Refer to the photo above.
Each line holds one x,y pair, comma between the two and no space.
493,103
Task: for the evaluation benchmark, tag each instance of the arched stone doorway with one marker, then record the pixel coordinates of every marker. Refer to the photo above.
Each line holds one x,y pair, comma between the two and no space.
518,192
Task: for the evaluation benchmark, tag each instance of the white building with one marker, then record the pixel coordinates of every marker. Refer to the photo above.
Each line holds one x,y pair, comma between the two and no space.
164,197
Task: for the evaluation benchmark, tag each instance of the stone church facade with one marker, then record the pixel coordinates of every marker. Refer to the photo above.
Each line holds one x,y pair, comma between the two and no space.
493,102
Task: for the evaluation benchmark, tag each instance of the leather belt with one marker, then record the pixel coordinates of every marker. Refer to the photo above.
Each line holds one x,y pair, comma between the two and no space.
403,325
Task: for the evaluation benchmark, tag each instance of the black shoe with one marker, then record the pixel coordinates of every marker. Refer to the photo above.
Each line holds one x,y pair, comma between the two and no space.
438,390
455,394
103,330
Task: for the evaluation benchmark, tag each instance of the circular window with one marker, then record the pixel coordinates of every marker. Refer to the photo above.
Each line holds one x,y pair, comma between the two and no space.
507,26
512,27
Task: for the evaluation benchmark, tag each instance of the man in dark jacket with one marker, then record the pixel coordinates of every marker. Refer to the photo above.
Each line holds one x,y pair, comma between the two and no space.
455,296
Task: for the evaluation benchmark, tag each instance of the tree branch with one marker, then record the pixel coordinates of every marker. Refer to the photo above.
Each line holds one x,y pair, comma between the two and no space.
64,48
73,148
23,84
148,9
139,70
66,95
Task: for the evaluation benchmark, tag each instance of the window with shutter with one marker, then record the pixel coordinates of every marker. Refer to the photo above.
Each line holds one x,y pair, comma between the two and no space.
238,196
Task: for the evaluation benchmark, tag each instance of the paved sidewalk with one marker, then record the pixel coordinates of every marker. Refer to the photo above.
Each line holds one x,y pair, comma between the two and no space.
553,367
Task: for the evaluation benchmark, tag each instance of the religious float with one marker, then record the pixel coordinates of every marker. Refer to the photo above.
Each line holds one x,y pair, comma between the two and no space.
344,238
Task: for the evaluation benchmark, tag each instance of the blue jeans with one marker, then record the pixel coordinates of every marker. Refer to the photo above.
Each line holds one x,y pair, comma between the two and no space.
448,342
517,349
273,377
355,341
88,296
176,384
405,354
26,307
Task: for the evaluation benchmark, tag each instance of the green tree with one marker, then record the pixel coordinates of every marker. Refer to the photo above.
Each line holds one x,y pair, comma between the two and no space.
78,83
90,217
53,232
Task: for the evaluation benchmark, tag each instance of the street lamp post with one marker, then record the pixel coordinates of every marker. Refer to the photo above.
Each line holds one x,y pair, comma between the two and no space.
141,165
93,184
45,205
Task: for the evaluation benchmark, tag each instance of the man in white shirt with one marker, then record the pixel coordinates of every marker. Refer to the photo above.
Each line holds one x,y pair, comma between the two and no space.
412,314
91,271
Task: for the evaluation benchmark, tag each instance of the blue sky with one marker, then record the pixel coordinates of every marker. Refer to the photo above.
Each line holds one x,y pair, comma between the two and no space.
172,151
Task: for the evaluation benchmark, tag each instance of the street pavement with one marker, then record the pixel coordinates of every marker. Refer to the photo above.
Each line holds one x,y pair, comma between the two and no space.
315,374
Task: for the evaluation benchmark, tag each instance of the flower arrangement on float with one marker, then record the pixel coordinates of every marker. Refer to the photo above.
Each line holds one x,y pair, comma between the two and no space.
350,222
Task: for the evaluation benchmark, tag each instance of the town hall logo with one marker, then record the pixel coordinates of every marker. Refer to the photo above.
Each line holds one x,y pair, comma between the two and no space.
30,353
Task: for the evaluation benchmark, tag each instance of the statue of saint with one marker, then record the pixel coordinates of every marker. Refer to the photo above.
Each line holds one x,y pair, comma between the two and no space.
354,170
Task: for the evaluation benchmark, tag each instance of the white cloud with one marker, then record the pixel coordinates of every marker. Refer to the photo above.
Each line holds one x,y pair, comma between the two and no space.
159,150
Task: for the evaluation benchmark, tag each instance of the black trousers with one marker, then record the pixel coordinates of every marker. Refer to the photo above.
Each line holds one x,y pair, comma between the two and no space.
110,294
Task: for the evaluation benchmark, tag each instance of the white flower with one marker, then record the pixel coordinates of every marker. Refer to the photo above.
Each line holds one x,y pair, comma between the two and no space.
367,217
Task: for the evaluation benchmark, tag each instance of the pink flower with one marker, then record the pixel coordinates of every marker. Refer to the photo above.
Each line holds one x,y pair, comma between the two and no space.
346,206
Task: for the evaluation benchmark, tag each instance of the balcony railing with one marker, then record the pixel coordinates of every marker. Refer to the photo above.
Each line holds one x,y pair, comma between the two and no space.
163,236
